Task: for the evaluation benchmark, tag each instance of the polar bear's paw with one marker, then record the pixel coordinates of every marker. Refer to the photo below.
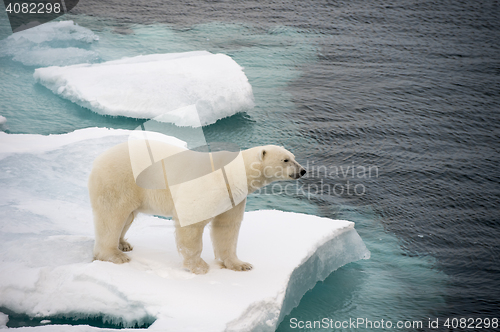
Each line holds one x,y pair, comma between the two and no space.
237,265
115,256
197,267
120,258
125,246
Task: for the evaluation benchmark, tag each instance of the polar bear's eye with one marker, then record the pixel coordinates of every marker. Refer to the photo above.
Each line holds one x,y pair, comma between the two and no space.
286,160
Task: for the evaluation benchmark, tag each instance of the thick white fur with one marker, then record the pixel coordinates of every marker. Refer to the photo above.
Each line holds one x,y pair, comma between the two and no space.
116,199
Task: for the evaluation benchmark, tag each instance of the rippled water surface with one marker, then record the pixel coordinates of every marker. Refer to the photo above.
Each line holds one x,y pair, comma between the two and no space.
393,106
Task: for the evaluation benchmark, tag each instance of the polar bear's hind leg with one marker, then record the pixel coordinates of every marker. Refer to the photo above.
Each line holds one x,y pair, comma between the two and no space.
109,228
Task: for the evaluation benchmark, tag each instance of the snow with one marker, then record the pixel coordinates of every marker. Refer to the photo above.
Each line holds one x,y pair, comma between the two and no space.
3,320
188,89
38,144
52,43
46,239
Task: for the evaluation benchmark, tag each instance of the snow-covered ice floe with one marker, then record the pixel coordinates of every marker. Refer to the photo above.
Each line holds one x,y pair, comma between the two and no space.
46,239
52,43
153,85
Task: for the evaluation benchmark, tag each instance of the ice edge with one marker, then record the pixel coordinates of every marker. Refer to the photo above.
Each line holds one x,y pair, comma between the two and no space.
342,247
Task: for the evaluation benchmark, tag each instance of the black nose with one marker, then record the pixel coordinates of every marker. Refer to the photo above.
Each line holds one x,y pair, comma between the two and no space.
302,172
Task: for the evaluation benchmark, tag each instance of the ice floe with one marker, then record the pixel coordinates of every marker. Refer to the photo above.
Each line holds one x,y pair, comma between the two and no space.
188,89
49,44
46,239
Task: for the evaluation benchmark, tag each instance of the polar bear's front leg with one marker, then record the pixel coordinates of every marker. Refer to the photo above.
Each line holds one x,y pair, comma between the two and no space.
190,244
225,230
124,245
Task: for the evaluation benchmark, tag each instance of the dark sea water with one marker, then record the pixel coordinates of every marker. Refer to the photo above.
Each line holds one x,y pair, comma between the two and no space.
393,106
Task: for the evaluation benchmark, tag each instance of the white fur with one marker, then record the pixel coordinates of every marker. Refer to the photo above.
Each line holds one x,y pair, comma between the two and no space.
116,199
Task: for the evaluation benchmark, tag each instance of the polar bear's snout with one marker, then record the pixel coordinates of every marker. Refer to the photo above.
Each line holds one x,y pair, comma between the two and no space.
300,172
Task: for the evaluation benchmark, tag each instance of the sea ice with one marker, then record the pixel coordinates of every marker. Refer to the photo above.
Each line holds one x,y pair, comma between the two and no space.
167,87
3,320
52,43
46,239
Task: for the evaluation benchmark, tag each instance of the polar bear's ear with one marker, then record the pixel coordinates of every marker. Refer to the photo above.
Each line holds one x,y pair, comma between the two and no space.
262,154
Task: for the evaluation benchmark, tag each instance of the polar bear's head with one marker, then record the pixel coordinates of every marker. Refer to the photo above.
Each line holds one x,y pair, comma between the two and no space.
276,163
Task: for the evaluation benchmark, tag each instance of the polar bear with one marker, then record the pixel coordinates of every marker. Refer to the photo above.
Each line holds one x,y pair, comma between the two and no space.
116,199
